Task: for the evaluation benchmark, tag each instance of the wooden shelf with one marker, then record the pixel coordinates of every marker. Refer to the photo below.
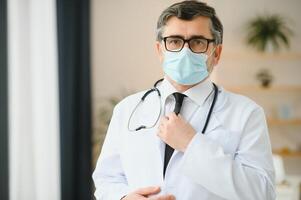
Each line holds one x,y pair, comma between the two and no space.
284,122
290,154
258,89
284,56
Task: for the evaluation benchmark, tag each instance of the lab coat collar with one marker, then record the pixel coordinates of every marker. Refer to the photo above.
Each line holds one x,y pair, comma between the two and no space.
197,93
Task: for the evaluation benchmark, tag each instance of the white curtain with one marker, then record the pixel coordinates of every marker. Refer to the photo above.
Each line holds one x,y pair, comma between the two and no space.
33,100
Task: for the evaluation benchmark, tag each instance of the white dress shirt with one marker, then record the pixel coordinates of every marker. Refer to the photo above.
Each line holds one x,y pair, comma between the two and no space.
232,160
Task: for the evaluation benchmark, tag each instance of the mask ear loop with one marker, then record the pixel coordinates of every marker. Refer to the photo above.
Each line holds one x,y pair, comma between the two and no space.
211,53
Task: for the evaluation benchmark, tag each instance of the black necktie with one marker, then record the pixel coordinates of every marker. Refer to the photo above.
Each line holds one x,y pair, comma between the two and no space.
168,149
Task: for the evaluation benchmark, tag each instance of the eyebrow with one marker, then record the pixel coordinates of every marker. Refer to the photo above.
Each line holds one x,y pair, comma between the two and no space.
193,36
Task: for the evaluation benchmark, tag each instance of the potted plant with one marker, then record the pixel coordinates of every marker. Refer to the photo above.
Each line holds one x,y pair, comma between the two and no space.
265,78
102,121
268,33
268,30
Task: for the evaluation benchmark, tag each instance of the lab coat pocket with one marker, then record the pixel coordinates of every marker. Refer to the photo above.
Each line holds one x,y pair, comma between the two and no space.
228,139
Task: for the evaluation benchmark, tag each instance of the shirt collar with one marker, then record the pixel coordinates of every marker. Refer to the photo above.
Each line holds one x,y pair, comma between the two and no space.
200,92
166,89
197,93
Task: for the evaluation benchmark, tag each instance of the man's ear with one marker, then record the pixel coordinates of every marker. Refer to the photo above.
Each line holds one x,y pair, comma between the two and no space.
159,51
217,54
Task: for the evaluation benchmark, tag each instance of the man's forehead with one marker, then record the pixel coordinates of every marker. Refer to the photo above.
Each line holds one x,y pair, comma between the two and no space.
186,28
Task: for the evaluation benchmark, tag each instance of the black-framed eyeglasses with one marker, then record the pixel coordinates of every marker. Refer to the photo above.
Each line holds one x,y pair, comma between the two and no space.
196,44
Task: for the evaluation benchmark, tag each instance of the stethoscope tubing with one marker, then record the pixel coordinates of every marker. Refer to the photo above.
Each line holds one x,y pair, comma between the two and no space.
155,89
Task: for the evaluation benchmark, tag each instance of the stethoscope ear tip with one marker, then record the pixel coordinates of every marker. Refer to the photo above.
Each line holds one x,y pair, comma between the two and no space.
140,127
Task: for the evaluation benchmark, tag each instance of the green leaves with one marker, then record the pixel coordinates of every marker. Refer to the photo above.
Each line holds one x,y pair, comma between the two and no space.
267,29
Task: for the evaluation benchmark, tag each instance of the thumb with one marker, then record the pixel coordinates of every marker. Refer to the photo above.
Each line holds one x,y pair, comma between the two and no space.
148,190
181,117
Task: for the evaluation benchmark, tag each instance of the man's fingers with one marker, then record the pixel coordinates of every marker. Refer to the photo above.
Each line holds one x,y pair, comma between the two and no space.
164,119
165,197
171,115
180,116
148,191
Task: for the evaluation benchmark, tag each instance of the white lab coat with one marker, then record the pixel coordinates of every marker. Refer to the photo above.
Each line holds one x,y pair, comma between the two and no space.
232,160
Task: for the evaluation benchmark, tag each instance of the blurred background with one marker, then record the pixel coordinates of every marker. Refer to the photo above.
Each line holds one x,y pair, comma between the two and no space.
65,64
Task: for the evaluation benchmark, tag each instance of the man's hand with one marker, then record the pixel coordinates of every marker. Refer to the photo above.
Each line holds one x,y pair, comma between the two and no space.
175,131
143,193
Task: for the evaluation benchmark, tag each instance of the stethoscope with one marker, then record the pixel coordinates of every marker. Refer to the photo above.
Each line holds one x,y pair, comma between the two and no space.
156,90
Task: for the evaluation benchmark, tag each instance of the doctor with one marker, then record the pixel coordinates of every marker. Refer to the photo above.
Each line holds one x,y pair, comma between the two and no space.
184,155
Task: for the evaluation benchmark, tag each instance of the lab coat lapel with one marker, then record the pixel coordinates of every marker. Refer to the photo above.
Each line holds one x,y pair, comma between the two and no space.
198,121
214,123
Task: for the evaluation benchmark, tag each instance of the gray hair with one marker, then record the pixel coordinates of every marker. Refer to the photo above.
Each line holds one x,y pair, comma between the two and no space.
188,10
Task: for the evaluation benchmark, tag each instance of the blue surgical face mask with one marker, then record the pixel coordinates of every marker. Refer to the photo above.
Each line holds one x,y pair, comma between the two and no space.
185,67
